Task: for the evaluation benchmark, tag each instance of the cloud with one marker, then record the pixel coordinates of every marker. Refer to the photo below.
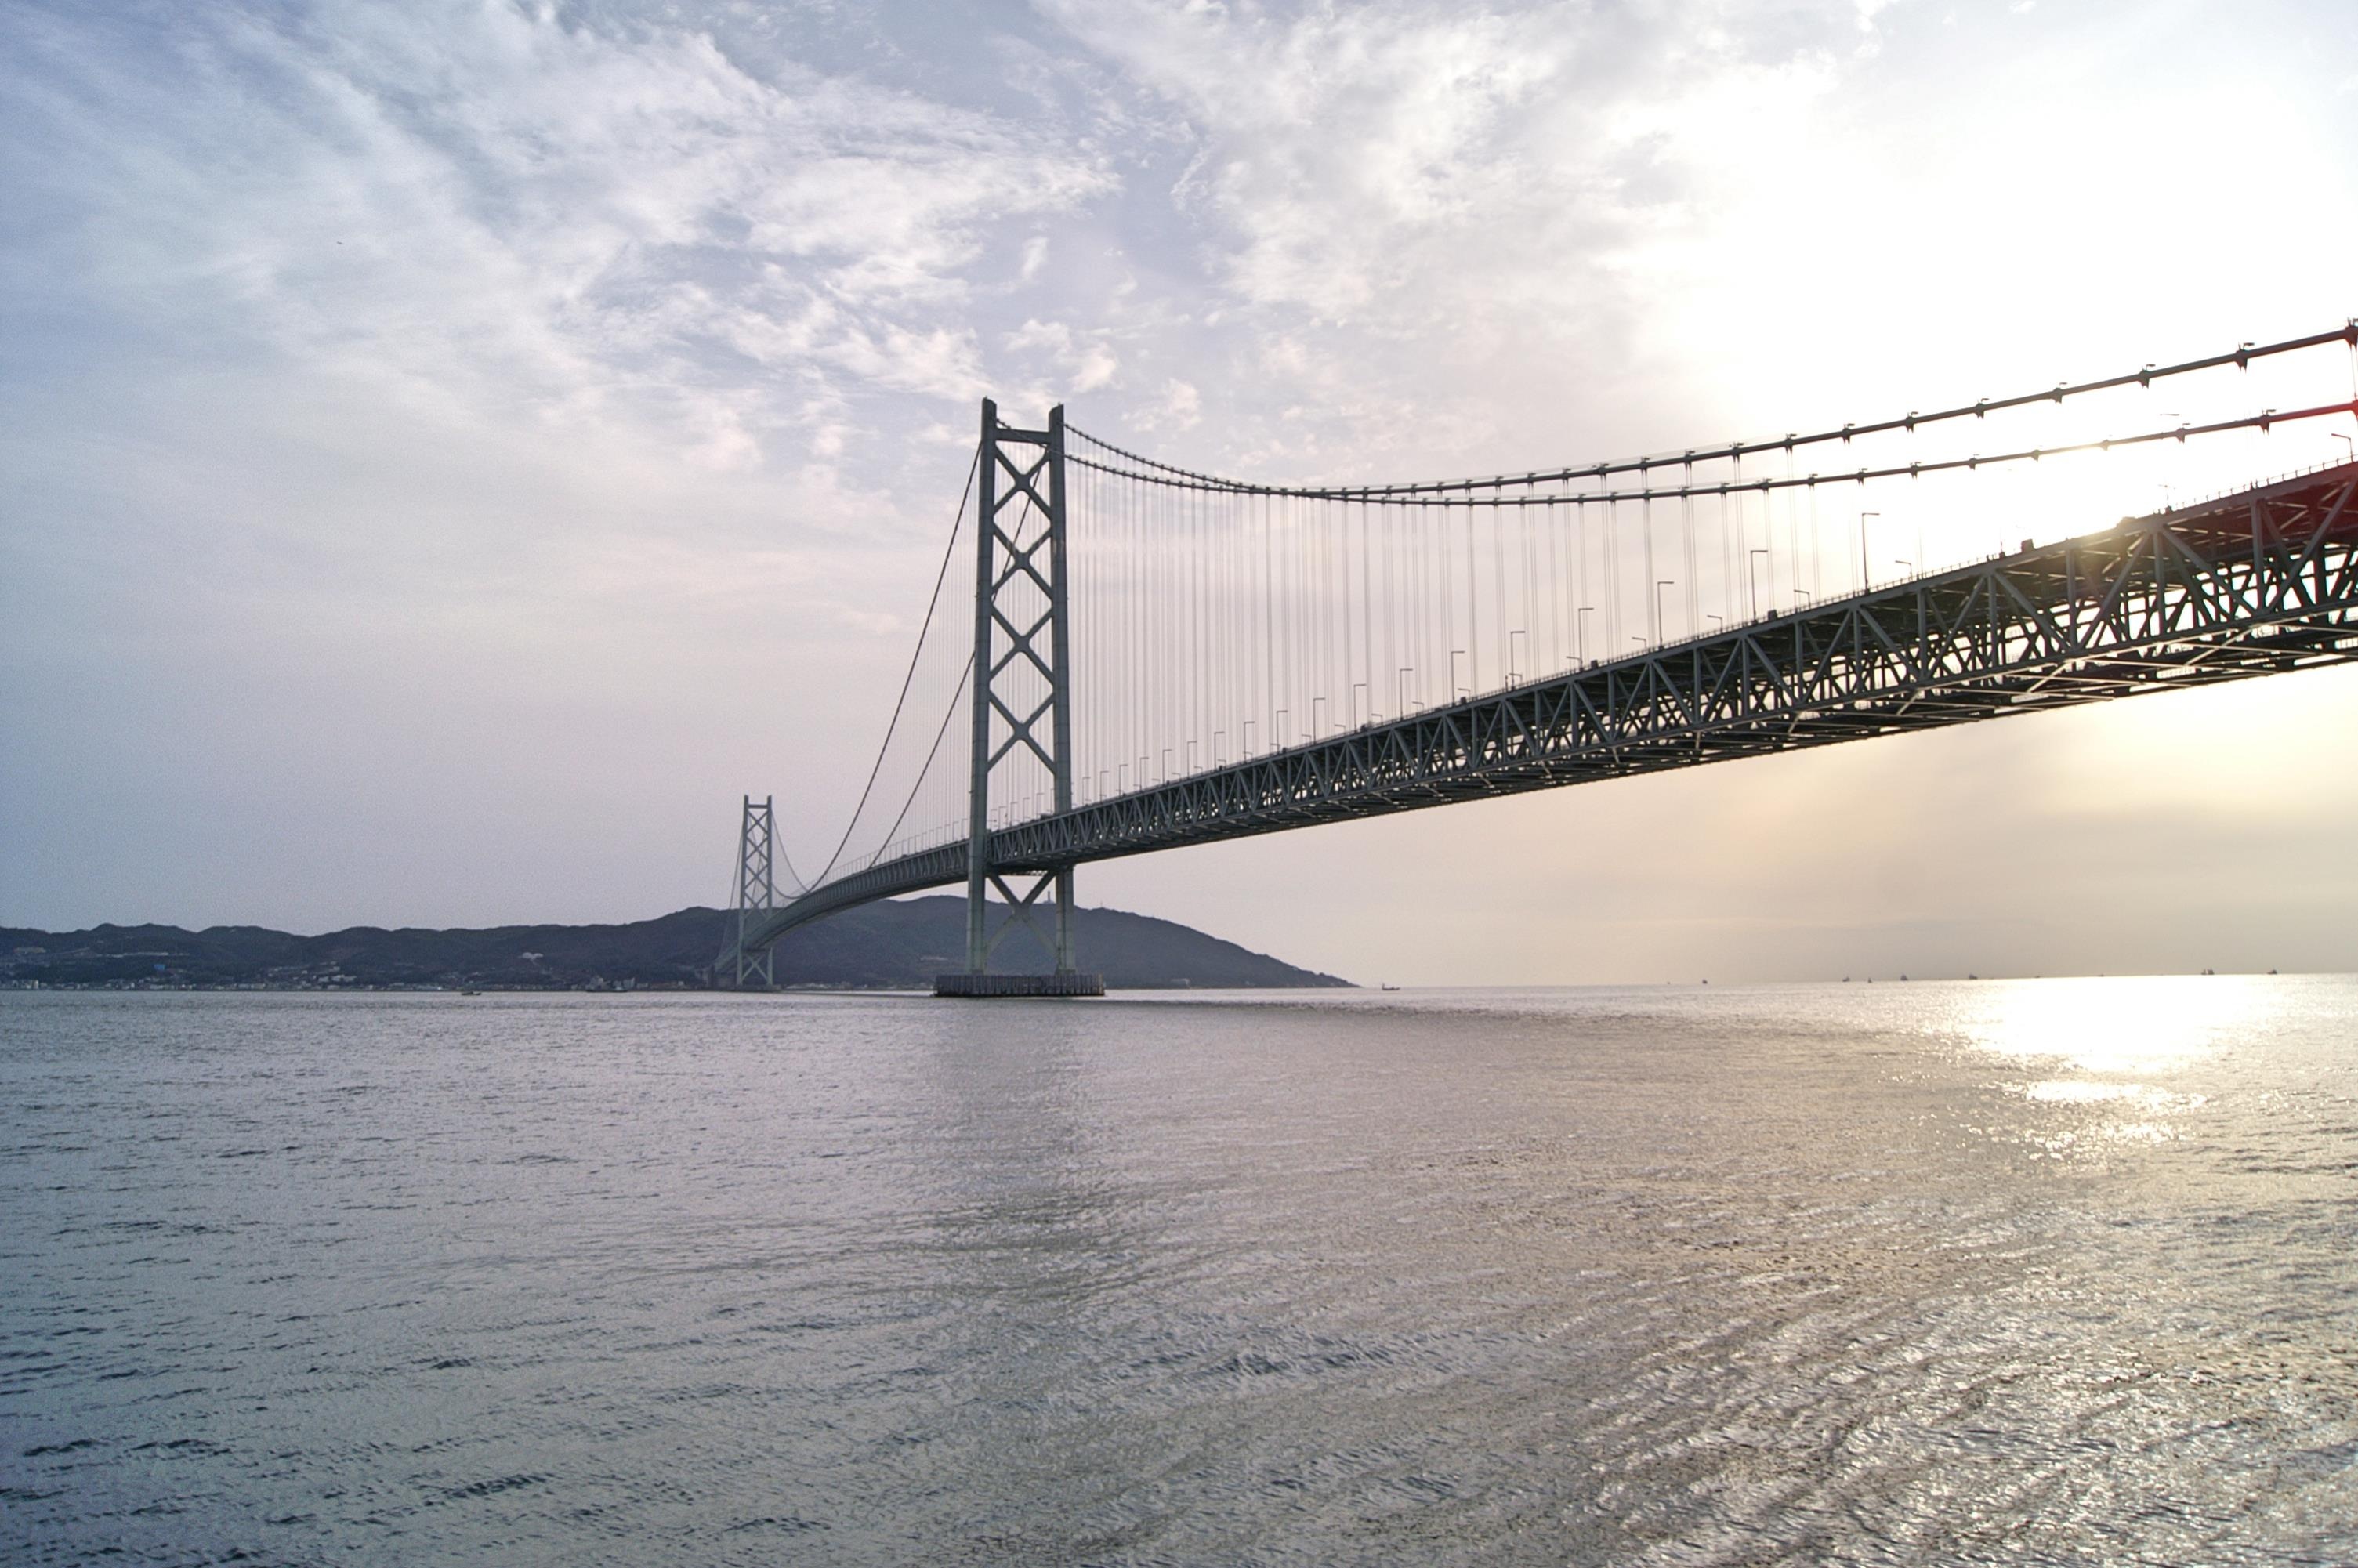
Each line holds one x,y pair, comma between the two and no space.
1392,199
1331,137
1180,408
1084,358
1427,240
493,211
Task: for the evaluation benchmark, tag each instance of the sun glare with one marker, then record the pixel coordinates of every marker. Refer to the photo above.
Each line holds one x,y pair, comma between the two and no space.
2115,1026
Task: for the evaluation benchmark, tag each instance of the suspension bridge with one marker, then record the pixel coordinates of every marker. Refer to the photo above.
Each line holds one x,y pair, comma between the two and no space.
1159,656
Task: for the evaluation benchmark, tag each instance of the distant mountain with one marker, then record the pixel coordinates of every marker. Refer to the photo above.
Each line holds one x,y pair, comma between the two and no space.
897,943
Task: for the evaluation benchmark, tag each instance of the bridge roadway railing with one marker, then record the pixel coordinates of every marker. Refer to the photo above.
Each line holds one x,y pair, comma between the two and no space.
2249,584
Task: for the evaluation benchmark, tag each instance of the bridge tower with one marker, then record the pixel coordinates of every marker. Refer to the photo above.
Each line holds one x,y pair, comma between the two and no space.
757,889
1023,661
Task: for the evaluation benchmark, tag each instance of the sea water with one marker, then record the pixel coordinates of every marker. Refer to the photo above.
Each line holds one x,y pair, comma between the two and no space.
2037,1271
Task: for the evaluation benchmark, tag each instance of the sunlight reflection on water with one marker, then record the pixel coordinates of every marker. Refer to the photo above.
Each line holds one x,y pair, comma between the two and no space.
2110,1034
2144,1024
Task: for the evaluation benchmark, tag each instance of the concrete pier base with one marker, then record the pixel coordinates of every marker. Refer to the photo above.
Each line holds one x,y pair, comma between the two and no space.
1019,985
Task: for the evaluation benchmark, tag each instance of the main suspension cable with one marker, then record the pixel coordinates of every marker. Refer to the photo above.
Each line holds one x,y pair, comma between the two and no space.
1432,496
2241,357
941,576
948,714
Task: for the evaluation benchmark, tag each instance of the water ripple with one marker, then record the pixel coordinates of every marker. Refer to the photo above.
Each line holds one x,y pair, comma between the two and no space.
2049,1273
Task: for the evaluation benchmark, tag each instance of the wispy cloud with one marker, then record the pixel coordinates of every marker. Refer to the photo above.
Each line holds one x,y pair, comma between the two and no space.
1396,195
499,211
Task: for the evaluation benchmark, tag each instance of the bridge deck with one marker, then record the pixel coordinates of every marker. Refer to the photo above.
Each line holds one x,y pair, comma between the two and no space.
2246,585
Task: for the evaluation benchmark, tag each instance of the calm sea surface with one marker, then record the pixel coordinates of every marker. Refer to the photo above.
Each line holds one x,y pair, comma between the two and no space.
2046,1271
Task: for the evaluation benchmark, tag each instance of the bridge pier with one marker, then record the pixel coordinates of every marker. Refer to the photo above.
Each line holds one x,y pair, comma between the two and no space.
1063,984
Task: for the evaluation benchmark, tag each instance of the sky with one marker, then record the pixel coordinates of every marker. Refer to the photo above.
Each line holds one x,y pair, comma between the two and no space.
450,451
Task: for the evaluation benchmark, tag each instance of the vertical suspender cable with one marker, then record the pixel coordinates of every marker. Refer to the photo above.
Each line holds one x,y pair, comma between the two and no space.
1653,594
1370,634
1498,583
1687,540
1612,579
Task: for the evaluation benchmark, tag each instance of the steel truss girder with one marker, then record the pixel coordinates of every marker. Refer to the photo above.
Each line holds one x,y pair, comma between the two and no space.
2249,585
